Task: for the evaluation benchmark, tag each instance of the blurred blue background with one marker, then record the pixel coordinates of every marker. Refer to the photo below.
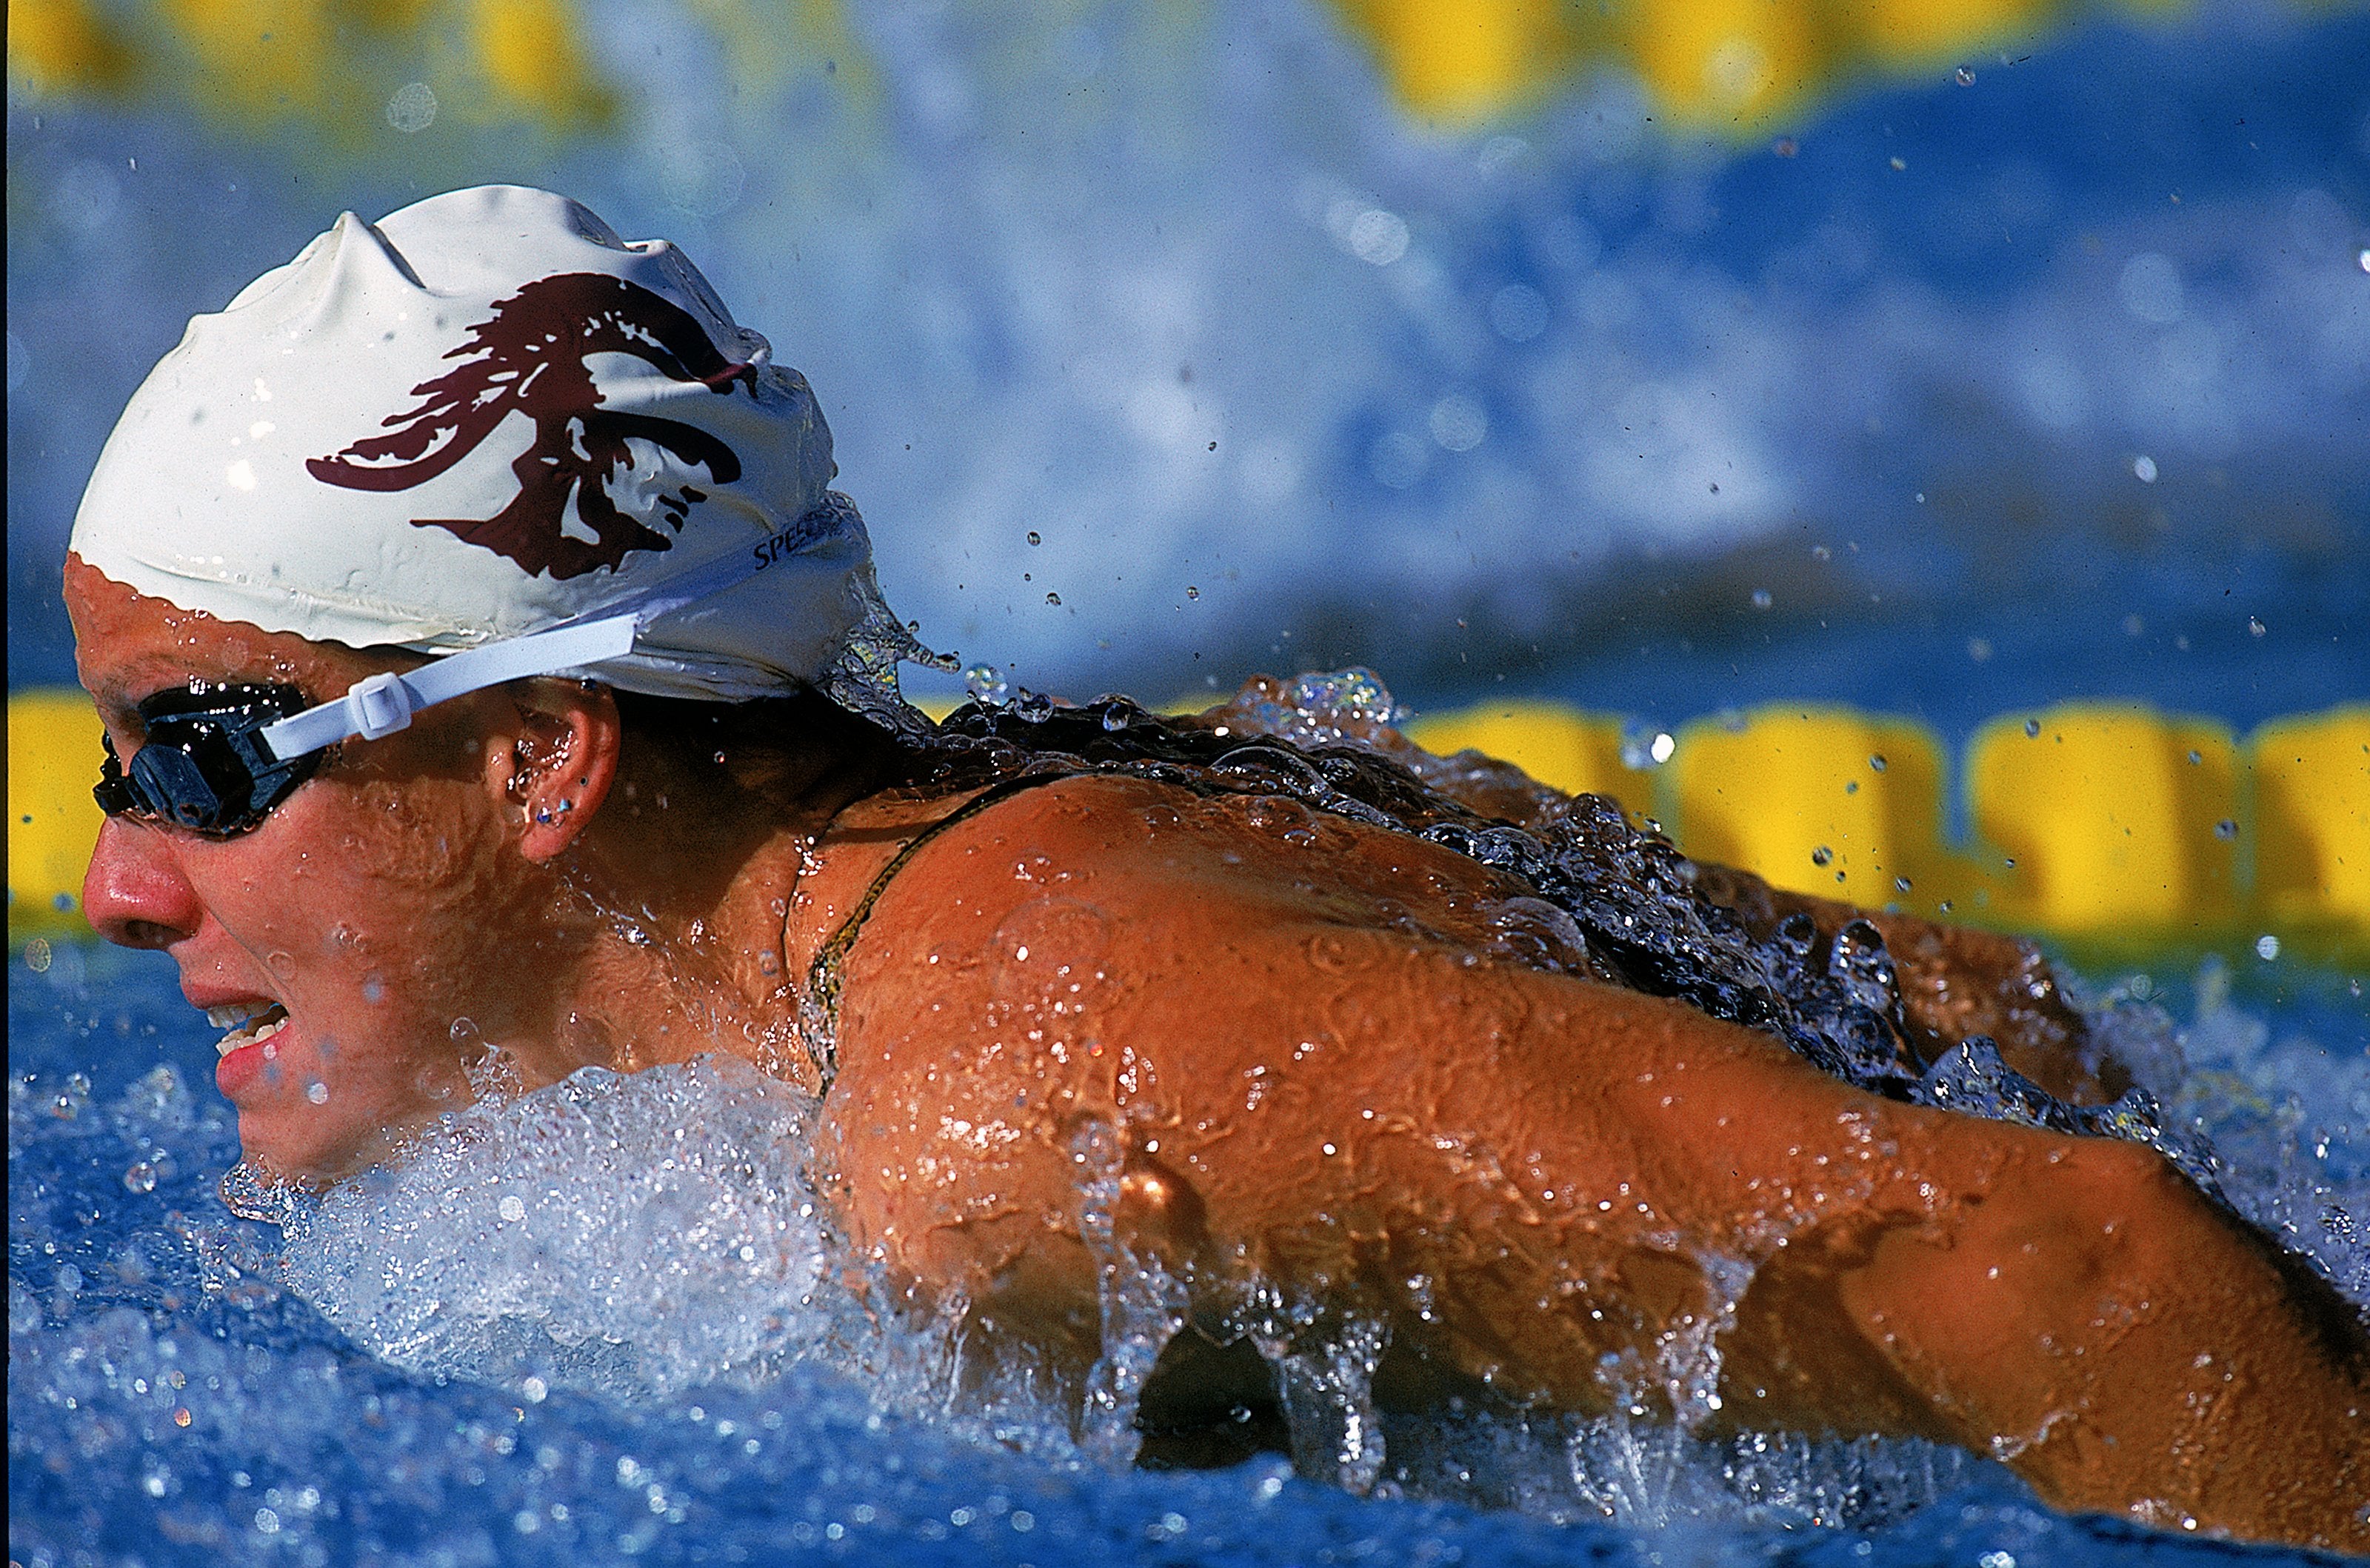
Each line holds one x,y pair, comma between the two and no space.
1936,357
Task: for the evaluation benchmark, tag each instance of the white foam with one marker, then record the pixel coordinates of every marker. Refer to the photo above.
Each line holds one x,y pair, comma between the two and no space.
632,1235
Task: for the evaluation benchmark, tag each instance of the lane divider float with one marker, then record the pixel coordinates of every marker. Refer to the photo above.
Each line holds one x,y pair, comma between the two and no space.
2110,826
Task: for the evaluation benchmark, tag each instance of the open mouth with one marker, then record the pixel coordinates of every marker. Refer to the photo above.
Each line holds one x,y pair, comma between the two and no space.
249,1024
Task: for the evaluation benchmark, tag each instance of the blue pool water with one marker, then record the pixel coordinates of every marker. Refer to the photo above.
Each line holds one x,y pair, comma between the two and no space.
171,1397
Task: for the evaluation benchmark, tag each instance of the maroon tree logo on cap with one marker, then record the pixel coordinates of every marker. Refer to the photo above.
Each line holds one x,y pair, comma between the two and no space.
530,357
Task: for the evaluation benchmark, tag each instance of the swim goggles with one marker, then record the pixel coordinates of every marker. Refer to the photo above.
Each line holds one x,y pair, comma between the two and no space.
217,759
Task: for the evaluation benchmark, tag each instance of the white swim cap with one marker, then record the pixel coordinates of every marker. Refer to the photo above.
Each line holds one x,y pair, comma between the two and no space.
481,417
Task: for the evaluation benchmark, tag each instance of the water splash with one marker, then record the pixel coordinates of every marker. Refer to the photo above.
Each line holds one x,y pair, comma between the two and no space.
626,1234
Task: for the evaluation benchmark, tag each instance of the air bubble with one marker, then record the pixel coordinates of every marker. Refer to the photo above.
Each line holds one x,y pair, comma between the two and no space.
2255,627
1822,855
1964,75
1053,598
2032,728
140,1177
1761,599
2226,829
1192,592
1035,538
2267,947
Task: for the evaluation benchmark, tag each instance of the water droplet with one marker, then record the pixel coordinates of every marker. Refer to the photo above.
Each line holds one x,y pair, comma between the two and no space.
1965,76
1053,598
1518,313
1192,592
2032,728
317,1093
1644,745
2255,626
2225,828
2267,947
1458,423
987,685
1761,599
412,109
140,1178
1822,855
1035,538
2143,470
512,1208
37,955
1376,237
1876,760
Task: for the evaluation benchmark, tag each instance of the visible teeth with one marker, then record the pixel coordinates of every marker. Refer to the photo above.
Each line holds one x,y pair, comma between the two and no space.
258,1025
230,1018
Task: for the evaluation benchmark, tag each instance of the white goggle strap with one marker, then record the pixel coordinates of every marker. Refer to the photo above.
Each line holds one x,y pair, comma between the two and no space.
382,704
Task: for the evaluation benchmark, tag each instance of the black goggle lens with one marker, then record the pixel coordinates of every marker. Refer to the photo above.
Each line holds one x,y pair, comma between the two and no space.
204,767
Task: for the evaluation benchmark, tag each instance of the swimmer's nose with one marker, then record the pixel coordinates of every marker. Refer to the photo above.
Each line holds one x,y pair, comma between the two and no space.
135,893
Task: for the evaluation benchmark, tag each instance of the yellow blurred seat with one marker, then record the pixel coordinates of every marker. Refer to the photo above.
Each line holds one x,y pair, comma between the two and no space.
1826,800
53,822
2110,822
1560,746
2311,776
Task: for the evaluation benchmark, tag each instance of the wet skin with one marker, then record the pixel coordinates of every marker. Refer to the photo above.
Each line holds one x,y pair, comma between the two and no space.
1310,1060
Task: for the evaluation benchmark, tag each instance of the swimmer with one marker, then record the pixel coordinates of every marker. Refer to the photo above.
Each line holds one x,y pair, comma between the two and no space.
485,664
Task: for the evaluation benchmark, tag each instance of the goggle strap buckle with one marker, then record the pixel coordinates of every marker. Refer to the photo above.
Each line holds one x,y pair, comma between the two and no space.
384,703
378,705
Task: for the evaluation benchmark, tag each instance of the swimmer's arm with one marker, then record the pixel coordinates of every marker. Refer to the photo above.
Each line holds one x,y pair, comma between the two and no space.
1291,1088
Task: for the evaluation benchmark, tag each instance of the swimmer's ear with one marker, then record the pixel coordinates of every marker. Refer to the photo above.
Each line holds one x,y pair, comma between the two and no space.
558,761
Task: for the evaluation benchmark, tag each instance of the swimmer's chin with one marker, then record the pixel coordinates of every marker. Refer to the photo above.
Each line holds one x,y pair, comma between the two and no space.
278,1156
309,1120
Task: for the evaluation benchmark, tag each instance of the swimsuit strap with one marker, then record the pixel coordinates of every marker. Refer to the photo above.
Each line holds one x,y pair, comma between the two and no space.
819,1005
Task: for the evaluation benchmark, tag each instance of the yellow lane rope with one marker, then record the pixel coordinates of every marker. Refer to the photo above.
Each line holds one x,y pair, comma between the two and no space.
2113,826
